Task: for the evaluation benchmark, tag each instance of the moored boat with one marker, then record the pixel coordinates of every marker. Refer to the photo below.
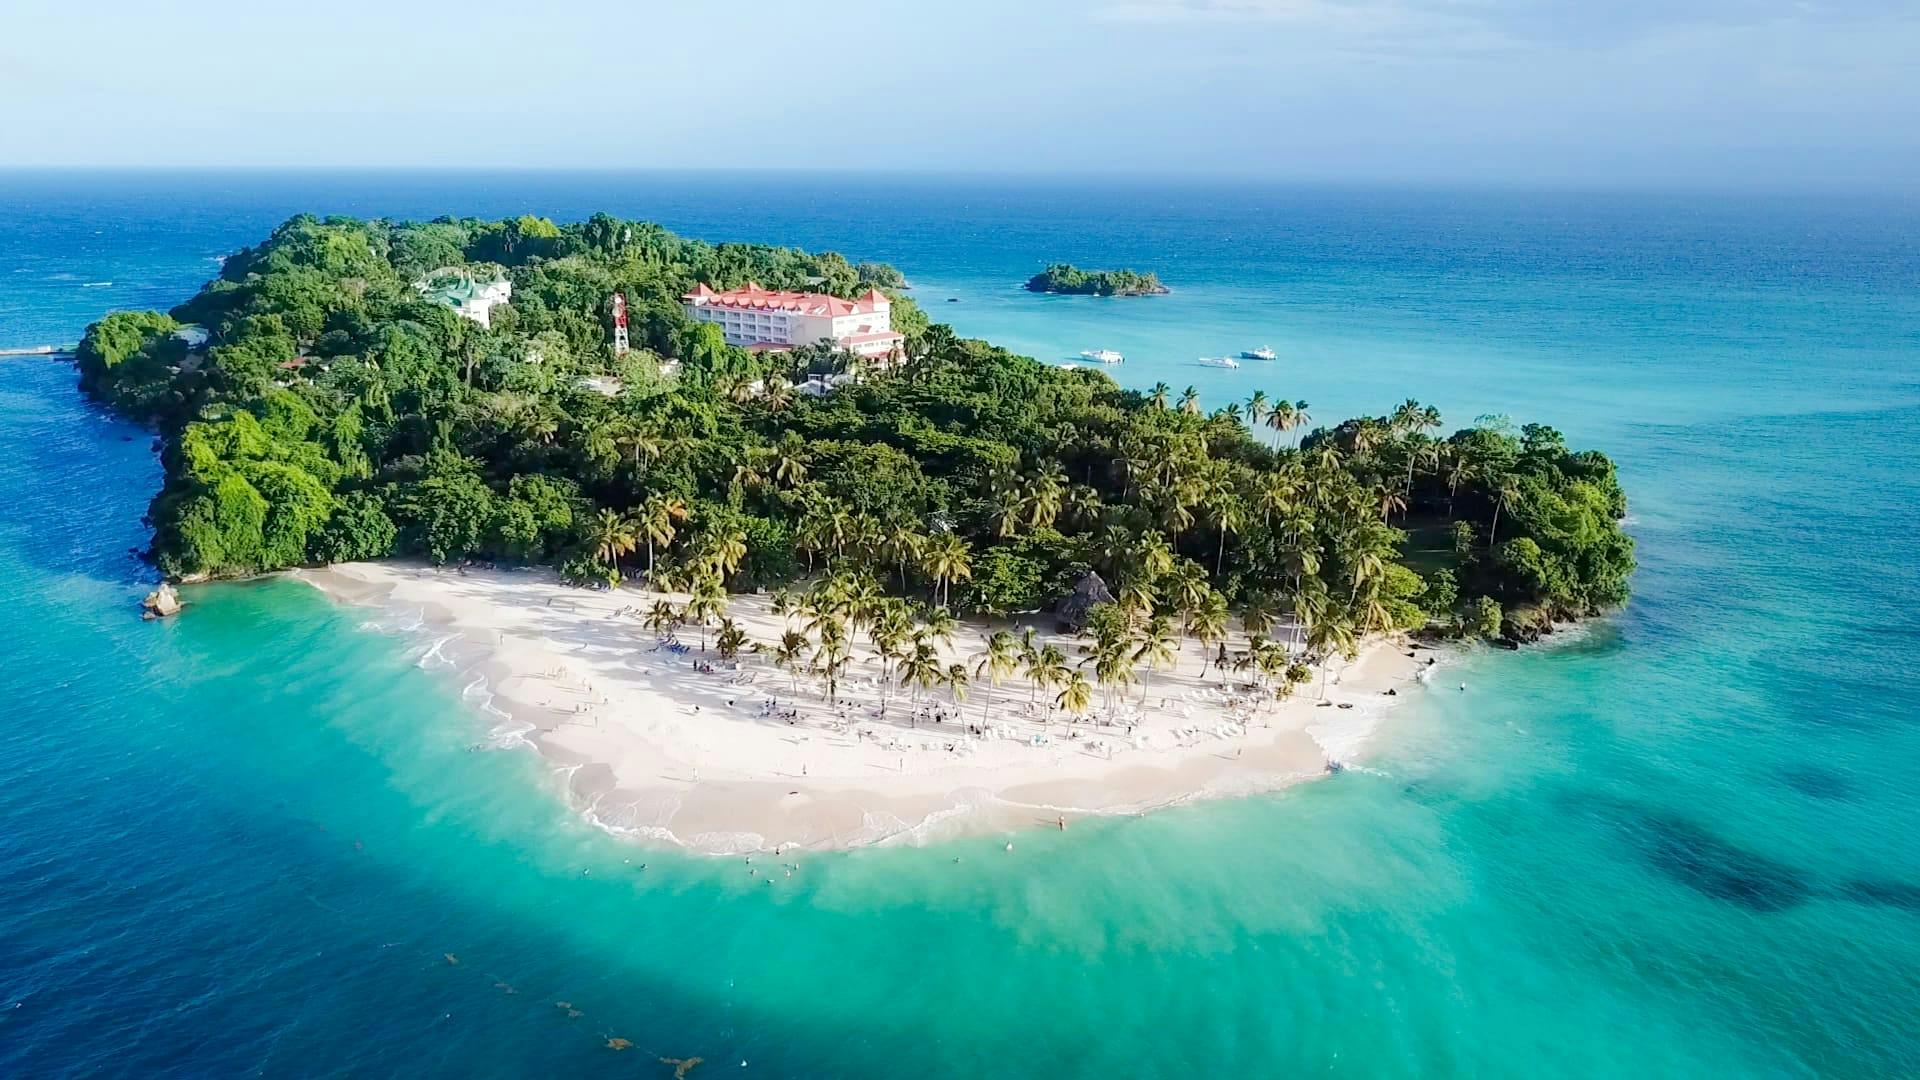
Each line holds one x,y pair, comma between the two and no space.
1104,356
1262,353
1219,361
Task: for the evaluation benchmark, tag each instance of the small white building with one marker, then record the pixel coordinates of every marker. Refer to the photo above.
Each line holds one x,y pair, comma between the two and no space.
822,385
768,319
473,299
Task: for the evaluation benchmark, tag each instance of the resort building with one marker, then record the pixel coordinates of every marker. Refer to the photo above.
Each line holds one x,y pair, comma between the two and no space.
461,292
767,319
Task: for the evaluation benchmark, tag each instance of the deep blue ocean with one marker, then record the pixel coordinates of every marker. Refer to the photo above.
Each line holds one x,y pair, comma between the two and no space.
1681,842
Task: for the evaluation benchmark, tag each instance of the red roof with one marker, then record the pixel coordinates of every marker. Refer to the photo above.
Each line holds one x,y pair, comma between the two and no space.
755,298
879,335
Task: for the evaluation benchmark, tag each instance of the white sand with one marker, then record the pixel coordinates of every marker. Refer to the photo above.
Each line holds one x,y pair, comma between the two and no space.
661,751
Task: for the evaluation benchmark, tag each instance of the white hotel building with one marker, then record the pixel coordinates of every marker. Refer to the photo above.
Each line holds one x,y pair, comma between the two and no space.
770,320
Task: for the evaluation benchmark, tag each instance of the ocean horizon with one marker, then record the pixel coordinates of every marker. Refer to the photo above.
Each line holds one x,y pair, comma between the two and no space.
1675,842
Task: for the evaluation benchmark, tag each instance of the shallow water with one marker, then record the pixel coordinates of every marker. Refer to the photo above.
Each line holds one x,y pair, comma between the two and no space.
1675,843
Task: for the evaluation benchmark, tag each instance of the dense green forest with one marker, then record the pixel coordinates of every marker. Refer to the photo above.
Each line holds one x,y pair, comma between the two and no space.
1065,278
335,414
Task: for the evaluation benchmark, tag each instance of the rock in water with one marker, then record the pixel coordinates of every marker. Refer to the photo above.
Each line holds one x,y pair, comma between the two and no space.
161,602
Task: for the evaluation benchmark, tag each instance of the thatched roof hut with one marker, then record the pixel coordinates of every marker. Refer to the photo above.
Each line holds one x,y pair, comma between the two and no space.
1072,609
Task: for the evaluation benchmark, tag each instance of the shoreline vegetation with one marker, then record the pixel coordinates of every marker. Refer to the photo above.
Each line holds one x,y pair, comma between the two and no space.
1071,280
317,409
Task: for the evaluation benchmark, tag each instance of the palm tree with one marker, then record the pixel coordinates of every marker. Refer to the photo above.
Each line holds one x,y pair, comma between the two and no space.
1076,696
1459,463
1158,395
863,602
1152,555
641,441
839,526
1009,512
790,464
1364,566
1329,636
1256,614
1366,435
901,543
1310,605
779,393
1228,517
600,445
830,656
655,523
749,471
1209,624
921,669
1136,598
1190,590
956,680
536,425
1407,418
1423,452
788,654
1279,492
1044,495
1157,648
1047,668
1506,491
1257,406
725,551
947,560
1082,505
889,635
708,601
1190,401
1280,417
611,536
810,534
1297,552
1391,500
994,663
1113,667
661,618
730,640
940,625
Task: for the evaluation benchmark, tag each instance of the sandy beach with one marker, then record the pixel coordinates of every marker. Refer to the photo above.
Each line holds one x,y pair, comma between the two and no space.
737,758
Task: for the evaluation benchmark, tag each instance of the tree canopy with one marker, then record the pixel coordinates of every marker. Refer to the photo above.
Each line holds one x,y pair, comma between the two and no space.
1067,278
334,413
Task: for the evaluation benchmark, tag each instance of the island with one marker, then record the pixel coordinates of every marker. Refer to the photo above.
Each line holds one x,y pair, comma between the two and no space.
764,557
1065,278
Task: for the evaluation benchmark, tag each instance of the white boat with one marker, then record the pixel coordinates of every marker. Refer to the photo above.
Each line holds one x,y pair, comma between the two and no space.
1219,361
1069,366
1104,356
1261,353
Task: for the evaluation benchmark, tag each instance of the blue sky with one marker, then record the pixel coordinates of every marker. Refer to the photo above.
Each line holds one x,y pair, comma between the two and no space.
1561,91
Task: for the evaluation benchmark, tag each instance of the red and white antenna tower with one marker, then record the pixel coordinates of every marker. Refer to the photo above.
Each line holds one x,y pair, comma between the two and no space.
619,324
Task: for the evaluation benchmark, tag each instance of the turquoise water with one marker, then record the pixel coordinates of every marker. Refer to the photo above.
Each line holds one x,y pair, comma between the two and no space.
1678,843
